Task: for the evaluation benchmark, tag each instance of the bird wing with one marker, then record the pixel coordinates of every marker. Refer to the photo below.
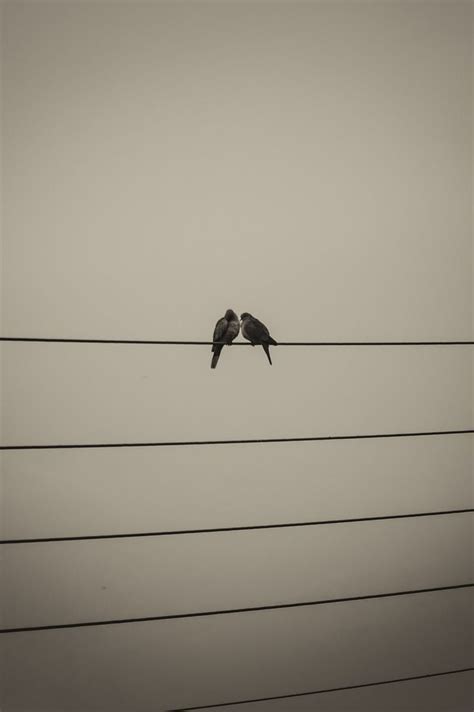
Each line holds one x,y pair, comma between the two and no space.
251,329
220,330
259,329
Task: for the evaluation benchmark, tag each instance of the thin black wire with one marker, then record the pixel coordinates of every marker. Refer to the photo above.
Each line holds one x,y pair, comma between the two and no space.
234,343
245,441
228,611
321,691
213,530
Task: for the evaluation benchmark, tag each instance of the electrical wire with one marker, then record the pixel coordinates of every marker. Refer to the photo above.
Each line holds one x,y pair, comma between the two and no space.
228,611
244,441
322,691
251,527
52,340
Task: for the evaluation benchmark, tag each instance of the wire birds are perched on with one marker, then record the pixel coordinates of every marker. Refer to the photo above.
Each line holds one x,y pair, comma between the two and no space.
227,329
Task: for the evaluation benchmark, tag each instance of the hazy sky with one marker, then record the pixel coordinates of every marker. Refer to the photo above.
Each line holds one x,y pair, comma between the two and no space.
309,162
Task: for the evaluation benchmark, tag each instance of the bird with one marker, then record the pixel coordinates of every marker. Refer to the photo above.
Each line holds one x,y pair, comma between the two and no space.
226,330
257,333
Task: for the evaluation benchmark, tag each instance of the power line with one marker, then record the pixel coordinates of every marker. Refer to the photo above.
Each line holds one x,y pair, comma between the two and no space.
245,441
228,611
252,527
321,691
234,343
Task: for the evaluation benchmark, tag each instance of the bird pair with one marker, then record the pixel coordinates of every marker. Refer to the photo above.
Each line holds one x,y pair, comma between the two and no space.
228,328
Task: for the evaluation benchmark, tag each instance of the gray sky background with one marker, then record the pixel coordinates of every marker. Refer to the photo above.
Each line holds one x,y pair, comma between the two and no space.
310,163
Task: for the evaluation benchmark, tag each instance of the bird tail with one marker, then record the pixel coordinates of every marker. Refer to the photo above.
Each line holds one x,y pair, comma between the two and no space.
266,348
217,348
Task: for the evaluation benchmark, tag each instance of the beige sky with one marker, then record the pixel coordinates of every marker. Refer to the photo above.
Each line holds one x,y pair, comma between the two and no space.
309,162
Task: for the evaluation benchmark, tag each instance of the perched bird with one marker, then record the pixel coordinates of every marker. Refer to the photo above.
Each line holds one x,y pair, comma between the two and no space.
257,333
226,330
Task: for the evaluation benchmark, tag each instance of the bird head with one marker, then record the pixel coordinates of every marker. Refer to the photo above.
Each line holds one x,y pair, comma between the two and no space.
230,315
245,315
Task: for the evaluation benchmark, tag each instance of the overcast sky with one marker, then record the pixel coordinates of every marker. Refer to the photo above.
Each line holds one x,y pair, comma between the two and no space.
309,163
